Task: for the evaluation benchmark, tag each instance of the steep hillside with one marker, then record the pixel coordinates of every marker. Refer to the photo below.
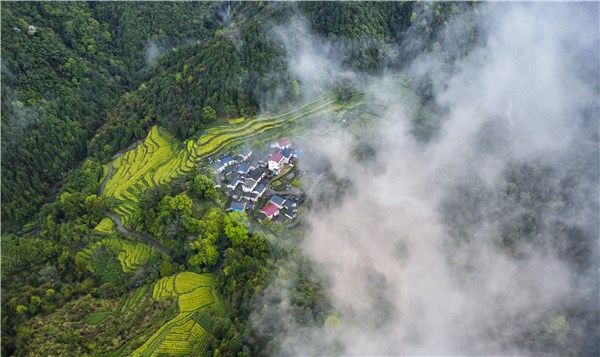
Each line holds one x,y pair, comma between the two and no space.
91,78
62,75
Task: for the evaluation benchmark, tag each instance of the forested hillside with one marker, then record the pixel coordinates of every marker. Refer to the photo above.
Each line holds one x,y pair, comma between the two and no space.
60,79
122,234
124,67
236,72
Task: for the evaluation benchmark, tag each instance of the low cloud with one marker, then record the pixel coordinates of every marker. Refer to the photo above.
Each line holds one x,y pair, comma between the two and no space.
153,52
414,252
312,59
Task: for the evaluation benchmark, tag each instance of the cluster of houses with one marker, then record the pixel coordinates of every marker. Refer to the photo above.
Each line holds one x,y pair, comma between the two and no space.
246,178
278,205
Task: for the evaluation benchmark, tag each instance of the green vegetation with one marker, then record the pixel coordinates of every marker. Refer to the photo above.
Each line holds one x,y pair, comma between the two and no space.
158,160
106,225
95,77
131,255
235,121
146,189
142,323
217,138
209,78
174,338
61,83
153,162
185,81
109,327
182,336
376,27
97,317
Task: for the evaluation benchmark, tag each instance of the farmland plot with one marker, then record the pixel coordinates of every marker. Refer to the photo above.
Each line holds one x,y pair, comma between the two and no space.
131,254
183,335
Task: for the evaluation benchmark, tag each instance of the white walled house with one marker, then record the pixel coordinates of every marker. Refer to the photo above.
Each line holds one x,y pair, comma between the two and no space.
270,211
235,181
223,163
276,162
277,201
250,185
283,144
244,155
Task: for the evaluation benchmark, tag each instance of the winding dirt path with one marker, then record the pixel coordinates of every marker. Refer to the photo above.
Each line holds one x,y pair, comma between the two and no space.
117,219
148,239
110,172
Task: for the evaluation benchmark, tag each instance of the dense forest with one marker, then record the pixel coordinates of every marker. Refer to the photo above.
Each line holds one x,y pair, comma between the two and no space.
83,82
61,79
100,74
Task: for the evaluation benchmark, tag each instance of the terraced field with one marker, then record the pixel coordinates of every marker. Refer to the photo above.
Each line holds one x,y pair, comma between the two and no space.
130,254
156,161
185,334
218,138
135,306
106,225
160,159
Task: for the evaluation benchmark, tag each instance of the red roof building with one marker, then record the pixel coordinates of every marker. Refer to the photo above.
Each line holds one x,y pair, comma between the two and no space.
276,157
270,210
276,162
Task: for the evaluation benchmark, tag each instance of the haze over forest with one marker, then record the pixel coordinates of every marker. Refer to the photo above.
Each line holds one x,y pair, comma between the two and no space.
446,175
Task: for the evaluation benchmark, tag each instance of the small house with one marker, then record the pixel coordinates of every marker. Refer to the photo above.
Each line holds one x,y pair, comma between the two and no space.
243,168
229,170
283,144
276,162
237,206
270,211
249,196
263,161
244,155
221,164
253,165
217,167
277,201
289,204
260,189
235,181
258,174
249,185
287,154
291,214
227,160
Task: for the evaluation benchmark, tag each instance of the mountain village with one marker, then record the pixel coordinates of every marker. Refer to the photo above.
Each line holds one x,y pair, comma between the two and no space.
252,181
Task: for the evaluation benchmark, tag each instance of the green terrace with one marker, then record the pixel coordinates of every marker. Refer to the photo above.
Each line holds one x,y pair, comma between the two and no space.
160,159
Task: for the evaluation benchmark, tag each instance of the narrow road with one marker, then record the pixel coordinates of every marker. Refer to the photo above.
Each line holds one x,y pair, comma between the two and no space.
152,241
110,171
117,219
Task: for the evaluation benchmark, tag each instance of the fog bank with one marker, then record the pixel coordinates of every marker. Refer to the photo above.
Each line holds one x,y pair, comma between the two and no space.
431,251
